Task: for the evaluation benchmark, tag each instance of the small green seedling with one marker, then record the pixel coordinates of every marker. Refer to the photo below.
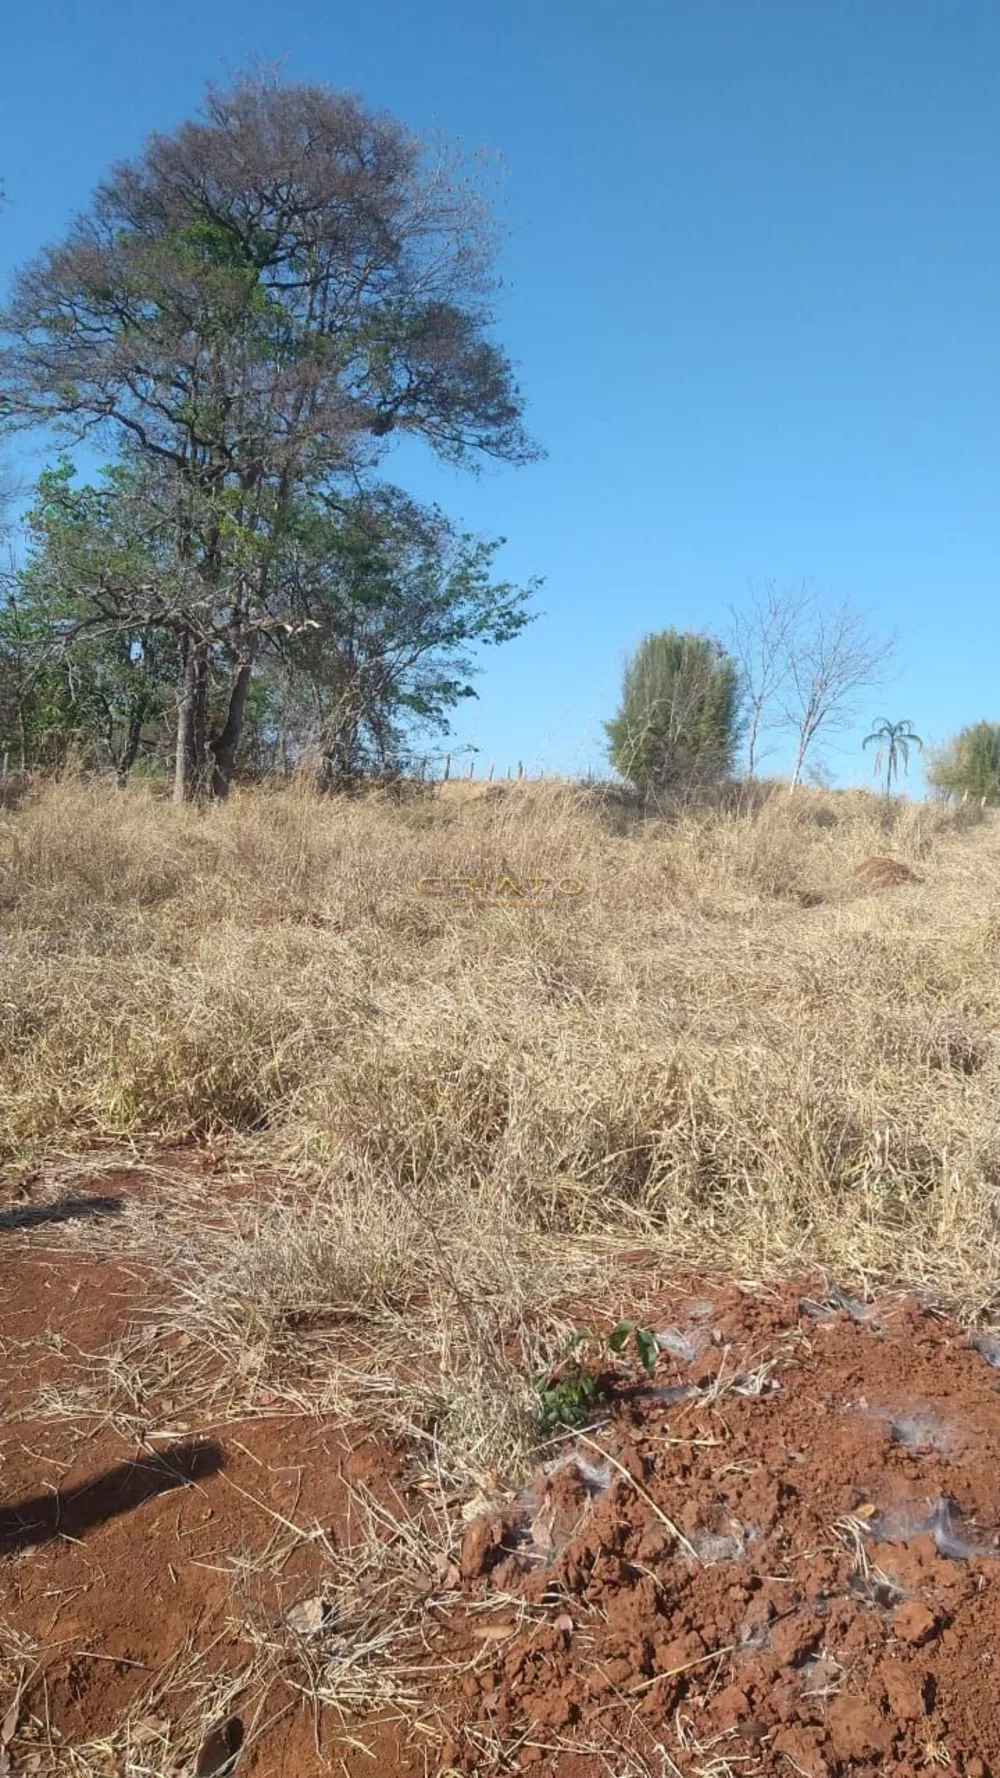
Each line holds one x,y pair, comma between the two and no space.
646,1348
569,1393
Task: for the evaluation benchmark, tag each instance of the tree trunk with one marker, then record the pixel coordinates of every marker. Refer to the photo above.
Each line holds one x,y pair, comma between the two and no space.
224,746
189,758
130,751
752,727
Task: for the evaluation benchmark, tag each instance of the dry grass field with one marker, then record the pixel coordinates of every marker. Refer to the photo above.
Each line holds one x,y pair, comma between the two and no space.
408,1089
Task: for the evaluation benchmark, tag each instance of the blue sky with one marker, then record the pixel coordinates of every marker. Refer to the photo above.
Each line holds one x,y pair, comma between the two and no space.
752,289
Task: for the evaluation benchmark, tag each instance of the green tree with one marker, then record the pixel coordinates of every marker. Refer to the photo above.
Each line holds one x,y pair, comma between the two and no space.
257,305
894,740
385,603
376,608
100,677
678,725
969,764
22,655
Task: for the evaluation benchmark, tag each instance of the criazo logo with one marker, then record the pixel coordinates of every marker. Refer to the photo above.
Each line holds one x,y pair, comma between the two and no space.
505,890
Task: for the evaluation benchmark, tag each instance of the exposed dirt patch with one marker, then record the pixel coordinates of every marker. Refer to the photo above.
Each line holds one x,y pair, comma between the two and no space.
782,1553
804,1575
149,1575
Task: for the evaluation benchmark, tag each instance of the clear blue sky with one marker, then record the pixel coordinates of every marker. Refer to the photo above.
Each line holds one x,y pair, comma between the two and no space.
752,289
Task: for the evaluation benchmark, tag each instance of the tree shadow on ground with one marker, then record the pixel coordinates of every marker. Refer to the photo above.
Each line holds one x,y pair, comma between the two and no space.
33,1216
108,1495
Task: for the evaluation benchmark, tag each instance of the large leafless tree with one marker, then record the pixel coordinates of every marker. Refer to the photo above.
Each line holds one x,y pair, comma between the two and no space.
255,306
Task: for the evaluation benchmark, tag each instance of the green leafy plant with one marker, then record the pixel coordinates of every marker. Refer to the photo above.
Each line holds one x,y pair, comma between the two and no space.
570,1392
647,1351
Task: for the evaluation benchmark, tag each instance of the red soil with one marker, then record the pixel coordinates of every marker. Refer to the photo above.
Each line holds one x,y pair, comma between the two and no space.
802,1579
117,1557
885,873
746,1626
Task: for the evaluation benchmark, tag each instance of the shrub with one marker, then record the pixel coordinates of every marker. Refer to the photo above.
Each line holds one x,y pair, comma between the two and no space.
678,725
969,765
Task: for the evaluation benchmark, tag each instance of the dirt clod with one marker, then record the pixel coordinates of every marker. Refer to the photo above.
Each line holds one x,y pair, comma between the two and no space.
856,1730
914,1623
905,1690
482,1547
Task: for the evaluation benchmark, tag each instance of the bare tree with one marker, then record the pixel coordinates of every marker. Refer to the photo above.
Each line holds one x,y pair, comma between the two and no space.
761,640
829,660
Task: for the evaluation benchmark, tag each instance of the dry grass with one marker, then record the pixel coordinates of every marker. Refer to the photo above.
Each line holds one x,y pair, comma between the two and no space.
441,1123
723,1046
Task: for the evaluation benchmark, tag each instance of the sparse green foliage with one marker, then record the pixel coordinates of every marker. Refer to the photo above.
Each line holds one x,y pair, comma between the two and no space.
88,676
894,741
969,764
376,605
679,721
646,1348
384,600
570,1393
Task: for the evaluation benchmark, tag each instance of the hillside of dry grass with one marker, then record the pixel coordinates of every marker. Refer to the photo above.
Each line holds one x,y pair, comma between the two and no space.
674,1040
715,1042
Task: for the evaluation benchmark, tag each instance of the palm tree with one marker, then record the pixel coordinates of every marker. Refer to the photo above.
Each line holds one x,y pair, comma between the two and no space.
894,742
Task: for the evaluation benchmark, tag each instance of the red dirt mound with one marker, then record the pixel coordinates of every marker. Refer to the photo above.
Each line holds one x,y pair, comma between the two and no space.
885,873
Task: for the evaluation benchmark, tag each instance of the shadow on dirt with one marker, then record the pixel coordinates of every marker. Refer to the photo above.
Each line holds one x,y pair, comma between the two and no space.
107,1496
33,1216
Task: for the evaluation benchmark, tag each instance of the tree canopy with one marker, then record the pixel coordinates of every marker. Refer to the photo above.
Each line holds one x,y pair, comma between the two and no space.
378,605
249,312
